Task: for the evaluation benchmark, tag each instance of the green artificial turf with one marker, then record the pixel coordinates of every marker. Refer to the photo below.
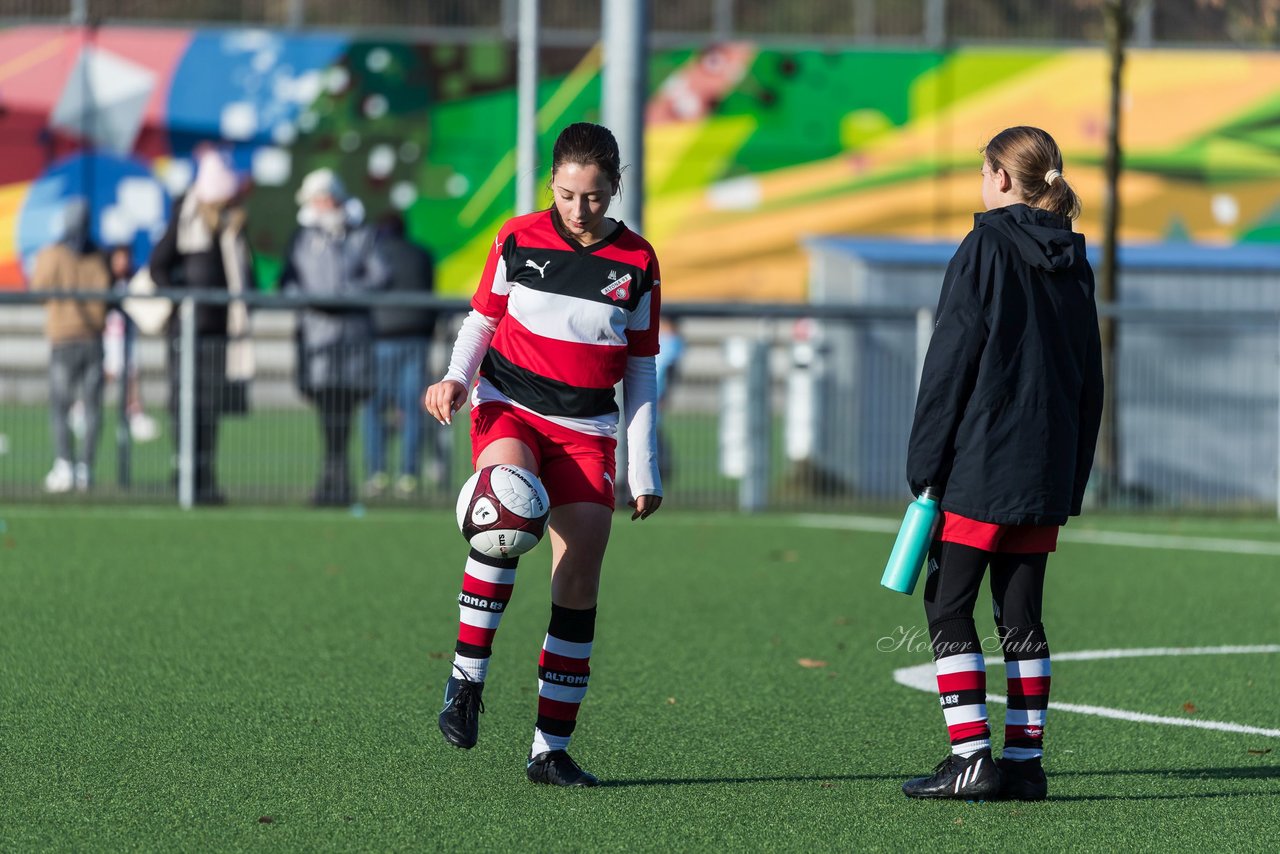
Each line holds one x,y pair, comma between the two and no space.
268,680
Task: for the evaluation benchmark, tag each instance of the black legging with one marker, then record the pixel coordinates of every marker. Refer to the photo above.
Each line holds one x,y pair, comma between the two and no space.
336,408
211,359
1017,594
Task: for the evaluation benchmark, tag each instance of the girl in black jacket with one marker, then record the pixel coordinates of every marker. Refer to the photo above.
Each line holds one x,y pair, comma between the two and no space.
1005,427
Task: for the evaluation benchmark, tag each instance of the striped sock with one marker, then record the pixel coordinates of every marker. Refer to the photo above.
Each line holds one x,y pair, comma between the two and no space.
1026,661
486,590
563,671
962,690
962,683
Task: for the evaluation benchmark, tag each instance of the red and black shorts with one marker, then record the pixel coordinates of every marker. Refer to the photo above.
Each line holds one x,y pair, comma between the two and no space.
572,466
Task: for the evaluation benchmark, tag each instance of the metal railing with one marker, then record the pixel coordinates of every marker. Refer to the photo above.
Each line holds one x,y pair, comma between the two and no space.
779,406
568,23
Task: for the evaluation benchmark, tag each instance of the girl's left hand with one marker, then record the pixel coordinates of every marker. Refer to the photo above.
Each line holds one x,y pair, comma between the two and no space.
644,506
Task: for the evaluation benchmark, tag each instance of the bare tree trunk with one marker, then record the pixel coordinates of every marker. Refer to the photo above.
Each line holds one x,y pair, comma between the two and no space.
1119,25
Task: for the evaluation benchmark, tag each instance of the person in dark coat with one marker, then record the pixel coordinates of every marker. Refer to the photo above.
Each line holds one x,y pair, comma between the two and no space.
333,254
402,341
206,248
1005,426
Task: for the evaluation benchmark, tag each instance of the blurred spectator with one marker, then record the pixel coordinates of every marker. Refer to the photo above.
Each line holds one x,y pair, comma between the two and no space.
74,330
120,351
668,358
333,254
401,346
666,364
205,248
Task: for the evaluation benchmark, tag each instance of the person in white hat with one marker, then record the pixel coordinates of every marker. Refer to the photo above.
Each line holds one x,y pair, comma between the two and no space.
333,254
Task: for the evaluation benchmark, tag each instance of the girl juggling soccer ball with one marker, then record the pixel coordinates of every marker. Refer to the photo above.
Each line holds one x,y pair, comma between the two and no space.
1005,427
567,307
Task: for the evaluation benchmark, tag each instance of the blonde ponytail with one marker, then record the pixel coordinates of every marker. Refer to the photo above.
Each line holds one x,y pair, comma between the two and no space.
1032,158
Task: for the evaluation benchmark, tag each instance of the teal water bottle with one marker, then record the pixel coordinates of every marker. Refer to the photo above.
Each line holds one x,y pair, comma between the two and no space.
914,538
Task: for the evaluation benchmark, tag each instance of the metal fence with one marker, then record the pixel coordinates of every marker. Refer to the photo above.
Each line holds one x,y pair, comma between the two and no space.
789,407
1198,423
577,22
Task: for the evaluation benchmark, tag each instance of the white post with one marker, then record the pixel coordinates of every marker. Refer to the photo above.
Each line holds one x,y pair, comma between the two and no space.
625,87
798,412
625,78
732,428
187,404
527,110
753,490
924,333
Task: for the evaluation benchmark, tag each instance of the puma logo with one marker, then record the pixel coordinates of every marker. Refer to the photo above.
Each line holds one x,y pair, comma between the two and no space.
542,271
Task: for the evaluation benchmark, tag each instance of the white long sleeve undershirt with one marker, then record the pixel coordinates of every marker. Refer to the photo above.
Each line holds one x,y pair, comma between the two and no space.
468,350
640,405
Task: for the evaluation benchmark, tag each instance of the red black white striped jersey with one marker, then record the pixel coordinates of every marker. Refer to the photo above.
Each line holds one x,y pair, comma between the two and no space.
568,316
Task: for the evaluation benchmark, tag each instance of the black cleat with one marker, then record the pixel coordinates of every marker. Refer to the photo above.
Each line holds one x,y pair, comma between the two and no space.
556,768
974,779
460,717
1022,781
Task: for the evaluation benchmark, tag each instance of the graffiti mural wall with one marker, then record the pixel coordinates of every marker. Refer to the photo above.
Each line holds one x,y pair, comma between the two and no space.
749,149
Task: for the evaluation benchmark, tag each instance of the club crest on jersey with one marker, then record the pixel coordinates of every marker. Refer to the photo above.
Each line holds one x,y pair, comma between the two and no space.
618,289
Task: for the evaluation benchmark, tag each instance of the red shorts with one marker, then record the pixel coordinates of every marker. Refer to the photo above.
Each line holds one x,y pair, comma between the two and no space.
571,465
1007,539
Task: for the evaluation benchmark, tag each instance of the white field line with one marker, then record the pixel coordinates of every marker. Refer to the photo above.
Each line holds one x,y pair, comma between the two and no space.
1150,652
868,524
922,677
878,525
357,513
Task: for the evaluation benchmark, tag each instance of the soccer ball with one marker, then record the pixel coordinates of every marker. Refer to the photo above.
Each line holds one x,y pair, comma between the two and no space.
502,511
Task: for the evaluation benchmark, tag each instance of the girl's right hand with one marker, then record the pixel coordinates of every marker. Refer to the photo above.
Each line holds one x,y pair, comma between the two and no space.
443,399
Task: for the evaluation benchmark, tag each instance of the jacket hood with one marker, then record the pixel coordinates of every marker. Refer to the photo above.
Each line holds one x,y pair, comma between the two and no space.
1044,239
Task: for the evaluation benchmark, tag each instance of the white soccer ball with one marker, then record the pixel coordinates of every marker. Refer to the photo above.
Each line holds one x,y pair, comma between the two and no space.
502,511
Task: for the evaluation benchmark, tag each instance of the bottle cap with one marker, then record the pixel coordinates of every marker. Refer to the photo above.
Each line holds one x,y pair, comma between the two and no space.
933,493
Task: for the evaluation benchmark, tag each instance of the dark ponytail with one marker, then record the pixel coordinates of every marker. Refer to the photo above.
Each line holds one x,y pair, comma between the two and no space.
589,144
1033,160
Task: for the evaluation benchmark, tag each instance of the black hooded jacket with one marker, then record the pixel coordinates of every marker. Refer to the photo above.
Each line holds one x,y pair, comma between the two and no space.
1011,394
